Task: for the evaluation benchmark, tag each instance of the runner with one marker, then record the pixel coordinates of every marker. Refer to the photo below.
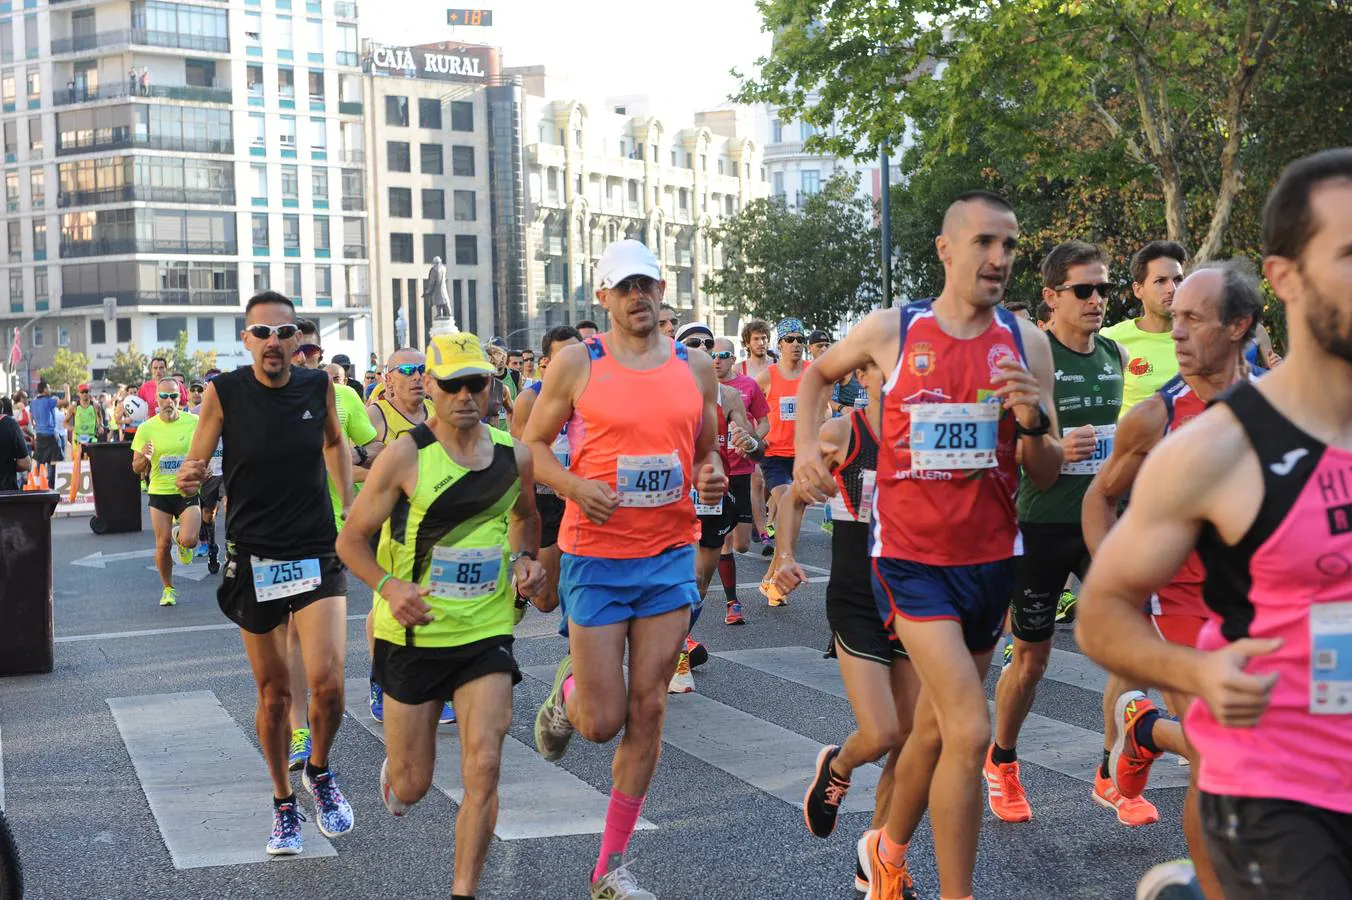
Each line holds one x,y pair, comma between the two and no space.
780,383
879,681
84,419
1087,395
213,494
756,342
1215,311
965,392
281,433
587,328
158,450
46,449
741,473
1257,484
667,319
467,532
1156,272
628,573
818,342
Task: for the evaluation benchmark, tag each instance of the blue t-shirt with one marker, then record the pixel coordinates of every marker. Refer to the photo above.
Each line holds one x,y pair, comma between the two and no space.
43,409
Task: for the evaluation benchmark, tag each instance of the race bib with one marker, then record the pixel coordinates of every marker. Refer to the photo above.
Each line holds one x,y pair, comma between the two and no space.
465,573
788,409
169,465
649,480
1331,659
705,510
84,438
275,579
215,464
865,511
946,436
861,400
1103,448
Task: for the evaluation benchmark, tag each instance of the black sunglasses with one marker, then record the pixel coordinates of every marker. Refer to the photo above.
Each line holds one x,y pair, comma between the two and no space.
794,339
475,384
409,369
284,332
1085,291
643,283
706,343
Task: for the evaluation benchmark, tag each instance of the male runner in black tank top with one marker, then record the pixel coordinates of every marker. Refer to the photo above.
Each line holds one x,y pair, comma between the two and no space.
281,433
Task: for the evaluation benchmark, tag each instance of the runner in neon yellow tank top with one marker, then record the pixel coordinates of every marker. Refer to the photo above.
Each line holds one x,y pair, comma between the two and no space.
1156,272
455,504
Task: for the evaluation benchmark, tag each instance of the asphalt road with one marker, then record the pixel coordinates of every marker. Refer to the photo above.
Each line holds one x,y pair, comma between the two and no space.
86,825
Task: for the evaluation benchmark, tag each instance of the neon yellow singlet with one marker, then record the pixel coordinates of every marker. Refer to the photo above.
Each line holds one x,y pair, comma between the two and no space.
171,441
1150,361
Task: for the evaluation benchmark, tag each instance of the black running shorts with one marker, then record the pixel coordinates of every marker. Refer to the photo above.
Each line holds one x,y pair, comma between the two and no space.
240,604
739,495
1265,849
551,517
414,675
173,504
212,491
713,530
1050,554
851,610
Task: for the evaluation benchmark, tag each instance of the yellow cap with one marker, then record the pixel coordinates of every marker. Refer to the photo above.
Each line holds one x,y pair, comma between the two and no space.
454,355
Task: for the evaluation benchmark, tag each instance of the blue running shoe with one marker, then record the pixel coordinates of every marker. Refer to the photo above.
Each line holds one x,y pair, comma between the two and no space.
333,814
377,702
286,838
447,714
201,550
300,749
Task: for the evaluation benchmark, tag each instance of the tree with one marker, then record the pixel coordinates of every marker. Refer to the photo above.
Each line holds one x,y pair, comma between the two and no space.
192,365
818,263
67,368
129,367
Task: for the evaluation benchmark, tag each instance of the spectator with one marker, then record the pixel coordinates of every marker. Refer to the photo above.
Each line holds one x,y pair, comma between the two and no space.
587,328
47,449
14,456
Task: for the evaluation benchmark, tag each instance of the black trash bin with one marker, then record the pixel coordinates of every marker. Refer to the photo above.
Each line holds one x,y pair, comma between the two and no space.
117,489
26,581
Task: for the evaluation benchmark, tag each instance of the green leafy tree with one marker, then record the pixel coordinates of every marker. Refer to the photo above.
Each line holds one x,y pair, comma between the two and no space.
192,365
67,368
818,263
129,367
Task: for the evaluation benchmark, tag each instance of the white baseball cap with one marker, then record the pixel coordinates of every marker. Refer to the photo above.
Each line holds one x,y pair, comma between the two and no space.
622,259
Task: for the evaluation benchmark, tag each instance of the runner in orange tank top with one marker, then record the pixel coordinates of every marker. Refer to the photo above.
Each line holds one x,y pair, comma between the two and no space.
780,384
628,570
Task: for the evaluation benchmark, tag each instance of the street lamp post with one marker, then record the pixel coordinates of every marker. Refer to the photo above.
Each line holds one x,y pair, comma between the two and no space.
886,229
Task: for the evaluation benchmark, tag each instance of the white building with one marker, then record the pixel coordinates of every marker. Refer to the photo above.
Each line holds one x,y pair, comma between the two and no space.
795,174
179,157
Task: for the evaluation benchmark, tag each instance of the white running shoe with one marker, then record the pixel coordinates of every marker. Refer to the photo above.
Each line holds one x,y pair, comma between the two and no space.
682,680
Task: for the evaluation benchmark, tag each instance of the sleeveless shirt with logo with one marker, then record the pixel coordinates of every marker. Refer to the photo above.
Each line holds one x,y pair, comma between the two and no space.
783,400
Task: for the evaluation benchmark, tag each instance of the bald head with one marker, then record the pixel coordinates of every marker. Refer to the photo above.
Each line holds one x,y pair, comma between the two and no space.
956,216
406,356
337,374
723,343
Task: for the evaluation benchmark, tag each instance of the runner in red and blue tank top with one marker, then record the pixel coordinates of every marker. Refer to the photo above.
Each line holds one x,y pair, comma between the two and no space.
968,384
627,577
1261,486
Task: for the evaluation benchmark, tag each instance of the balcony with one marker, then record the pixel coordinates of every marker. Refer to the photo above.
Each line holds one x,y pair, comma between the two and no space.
115,246
125,193
352,157
120,90
349,108
354,251
96,142
154,298
344,9
174,40
347,58
354,204
359,301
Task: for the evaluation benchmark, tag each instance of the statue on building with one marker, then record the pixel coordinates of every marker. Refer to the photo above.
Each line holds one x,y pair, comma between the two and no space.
435,294
400,329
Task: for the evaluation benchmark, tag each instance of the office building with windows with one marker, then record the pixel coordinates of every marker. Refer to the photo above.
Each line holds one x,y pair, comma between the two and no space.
444,182
620,168
794,174
178,157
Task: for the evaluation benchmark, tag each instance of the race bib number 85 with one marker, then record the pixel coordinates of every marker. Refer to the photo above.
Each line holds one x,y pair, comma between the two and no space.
649,480
947,436
465,573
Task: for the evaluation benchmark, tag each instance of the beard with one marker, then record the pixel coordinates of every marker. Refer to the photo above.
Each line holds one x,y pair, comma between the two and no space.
1330,326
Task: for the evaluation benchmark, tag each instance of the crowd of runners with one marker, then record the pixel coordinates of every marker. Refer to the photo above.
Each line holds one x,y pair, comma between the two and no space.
975,464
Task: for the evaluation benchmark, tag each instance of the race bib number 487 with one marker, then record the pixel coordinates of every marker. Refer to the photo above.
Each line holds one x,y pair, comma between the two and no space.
649,480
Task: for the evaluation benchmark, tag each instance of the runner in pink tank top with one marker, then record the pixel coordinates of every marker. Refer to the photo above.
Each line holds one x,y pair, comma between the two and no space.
1261,485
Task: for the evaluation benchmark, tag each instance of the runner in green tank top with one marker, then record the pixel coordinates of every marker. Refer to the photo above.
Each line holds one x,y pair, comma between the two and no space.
1088,395
454,501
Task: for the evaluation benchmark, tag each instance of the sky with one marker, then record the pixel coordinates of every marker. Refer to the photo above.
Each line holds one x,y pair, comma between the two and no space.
678,52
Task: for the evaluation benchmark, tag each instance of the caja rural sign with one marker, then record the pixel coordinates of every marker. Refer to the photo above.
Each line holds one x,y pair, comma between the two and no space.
451,62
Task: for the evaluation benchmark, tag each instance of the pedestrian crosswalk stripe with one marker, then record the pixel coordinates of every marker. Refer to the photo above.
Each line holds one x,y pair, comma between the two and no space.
1043,741
760,753
205,782
535,799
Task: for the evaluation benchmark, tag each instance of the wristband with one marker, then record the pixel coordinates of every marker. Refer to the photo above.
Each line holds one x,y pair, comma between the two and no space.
362,456
382,581
1043,426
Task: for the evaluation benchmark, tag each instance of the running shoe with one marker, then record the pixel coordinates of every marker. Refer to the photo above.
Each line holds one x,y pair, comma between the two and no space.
286,838
213,564
769,529
1175,880
735,616
377,702
682,680
699,654
1007,655
169,597
1065,608
618,883
822,801
1129,764
396,806
828,526
552,728
200,551
300,748
773,595
333,814
447,714
185,555
862,864
886,881
1004,791
767,545
1133,813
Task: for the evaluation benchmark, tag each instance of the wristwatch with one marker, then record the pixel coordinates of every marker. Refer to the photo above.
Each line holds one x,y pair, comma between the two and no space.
1044,425
527,554
362,456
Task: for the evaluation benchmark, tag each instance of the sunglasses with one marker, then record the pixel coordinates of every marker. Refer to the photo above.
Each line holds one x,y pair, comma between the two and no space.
172,395
722,354
1085,291
475,384
310,350
706,343
409,369
642,283
284,332
793,339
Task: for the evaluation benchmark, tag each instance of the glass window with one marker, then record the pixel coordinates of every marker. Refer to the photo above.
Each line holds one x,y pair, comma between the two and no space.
319,185
316,85
354,238
259,175
401,247
167,328
290,183
466,250
39,236
321,232
124,331
397,156
291,232
98,331
401,203
319,134
7,89
464,206
259,129
16,285
806,130
314,33
462,115
30,35
37,187
34,84
347,36
206,328
462,160
434,246
35,141
431,159
260,231
284,36
287,131
429,113
253,77
253,28
323,281
6,41
291,277
262,279
14,233
396,111
812,182
286,82
434,203
40,282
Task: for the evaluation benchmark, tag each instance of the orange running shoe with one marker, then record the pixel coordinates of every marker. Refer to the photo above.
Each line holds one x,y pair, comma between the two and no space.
1129,764
1130,812
1004,791
773,594
886,881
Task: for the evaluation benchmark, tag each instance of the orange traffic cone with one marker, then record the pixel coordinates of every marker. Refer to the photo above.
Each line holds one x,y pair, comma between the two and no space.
31,484
42,479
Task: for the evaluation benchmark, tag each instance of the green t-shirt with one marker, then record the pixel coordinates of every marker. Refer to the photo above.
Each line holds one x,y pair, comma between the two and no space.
171,441
1088,392
1150,360
86,423
357,426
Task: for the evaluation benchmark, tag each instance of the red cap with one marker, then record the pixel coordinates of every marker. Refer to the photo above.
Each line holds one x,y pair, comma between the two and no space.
82,388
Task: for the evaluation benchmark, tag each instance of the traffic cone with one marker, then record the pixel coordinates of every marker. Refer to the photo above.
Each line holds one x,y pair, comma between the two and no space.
32,483
42,479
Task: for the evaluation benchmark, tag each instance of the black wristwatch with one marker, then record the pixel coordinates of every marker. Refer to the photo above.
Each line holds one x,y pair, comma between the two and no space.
1043,426
362,456
526,554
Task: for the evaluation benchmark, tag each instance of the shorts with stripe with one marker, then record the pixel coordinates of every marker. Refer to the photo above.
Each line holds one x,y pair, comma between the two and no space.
974,596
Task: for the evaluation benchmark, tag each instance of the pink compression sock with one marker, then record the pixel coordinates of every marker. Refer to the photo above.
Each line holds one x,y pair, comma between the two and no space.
567,689
621,819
